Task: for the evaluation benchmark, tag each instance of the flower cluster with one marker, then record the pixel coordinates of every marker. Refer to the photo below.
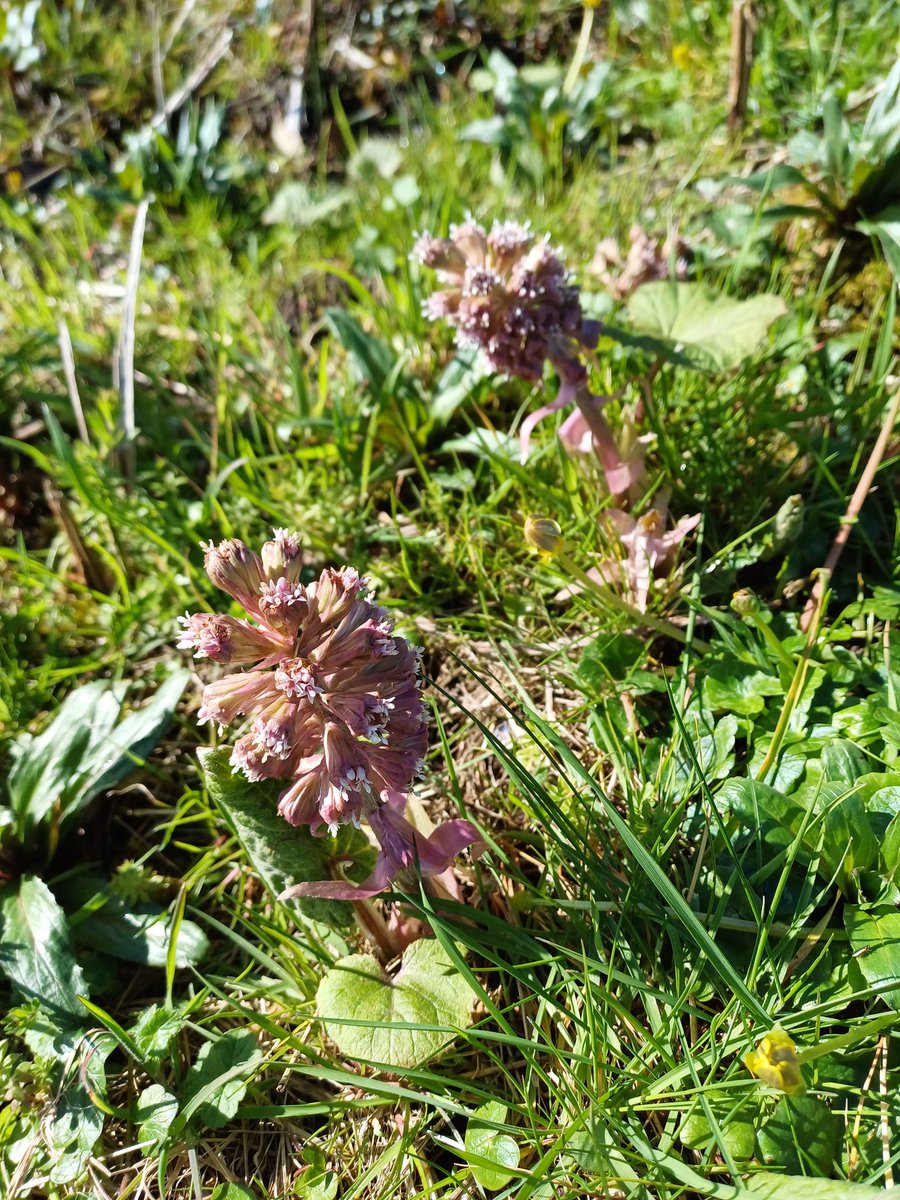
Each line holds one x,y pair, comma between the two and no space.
330,700
645,552
647,260
510,294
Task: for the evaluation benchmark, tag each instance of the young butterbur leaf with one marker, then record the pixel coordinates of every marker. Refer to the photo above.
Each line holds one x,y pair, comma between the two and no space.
801,1136
875,938
711,331
496,1147
412,1016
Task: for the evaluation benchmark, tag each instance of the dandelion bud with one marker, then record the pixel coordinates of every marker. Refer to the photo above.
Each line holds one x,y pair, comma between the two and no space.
544,534
746,603
775,1062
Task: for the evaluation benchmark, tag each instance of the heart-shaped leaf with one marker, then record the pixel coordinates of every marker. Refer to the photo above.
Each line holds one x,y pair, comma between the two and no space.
711,331
485,1142
37,955
408,1018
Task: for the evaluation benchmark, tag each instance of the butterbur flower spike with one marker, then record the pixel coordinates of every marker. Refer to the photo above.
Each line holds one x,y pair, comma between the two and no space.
510,294
329,700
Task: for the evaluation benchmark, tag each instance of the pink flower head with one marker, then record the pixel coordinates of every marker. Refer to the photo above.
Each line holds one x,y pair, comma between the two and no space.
509,294
647,551
647,260
331,701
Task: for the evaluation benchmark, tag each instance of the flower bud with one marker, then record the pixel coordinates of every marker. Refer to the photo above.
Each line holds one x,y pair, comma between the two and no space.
745,602
544,534
282,558
775,1062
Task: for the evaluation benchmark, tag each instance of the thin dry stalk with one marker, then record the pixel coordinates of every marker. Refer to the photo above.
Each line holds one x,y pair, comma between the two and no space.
68,362
123,367
743,25
823,577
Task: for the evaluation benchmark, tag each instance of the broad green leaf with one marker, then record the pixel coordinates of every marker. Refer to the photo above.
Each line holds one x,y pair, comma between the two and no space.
281,854
372,357
140,933
887,229
890,848
497,1148
732,687
315,1182
294,204
411,1017
458,383
842,762
235,1191
77,1122
875,937
155,1030
154,1111
771,1186
82,752
715,332
801,1135
215,1085
36,950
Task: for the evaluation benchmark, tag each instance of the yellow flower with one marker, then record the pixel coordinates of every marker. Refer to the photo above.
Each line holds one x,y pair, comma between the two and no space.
774,1061
544,534
681,56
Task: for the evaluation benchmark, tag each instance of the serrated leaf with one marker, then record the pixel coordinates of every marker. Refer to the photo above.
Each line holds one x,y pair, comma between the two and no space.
155,1030
215,1085
875,938
496,1147
281,854
36,951
426,991
154,1111
714,332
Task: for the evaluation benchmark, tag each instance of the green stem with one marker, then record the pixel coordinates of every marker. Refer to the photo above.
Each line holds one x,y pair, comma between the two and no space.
584,37
609,597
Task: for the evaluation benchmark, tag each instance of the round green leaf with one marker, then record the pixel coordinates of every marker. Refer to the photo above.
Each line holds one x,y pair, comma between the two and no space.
154,1111
801,1136
485,1142
412,1015
703,327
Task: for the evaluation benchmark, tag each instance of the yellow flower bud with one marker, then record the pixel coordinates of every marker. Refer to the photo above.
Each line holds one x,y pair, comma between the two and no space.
774,1061
544,534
